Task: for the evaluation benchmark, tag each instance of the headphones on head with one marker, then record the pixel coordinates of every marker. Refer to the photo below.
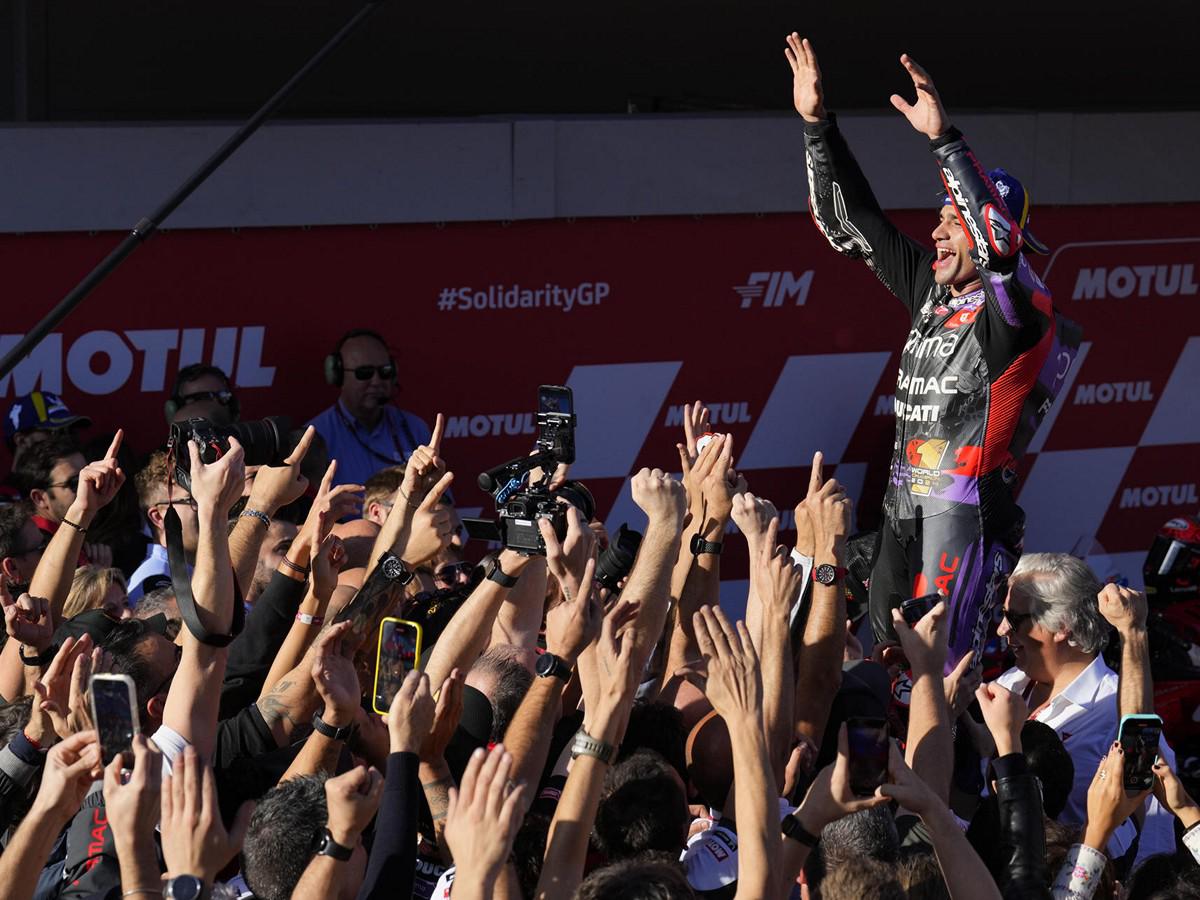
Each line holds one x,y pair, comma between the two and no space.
191,373
335,368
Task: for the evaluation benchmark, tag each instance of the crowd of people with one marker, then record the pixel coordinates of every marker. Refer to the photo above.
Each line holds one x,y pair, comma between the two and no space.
571,725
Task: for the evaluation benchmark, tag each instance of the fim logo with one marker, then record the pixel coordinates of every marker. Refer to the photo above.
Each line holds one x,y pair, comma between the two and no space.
772,288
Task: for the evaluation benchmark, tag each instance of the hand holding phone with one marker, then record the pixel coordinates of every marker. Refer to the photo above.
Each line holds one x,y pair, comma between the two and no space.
914,609
867,742
398,654
1139,736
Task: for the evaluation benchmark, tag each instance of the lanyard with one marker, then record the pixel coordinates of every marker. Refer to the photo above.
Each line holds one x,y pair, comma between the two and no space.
352,427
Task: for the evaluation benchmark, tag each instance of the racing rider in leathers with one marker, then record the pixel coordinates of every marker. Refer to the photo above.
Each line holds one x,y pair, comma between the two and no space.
969,394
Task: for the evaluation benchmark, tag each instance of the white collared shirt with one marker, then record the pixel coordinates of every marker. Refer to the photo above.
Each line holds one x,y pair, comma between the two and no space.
1085,716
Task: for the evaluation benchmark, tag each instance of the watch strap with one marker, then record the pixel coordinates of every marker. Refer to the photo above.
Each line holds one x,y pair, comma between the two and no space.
394,569
333,732
699,545
498,575
551,666
330,847
586,745
41,659
791,827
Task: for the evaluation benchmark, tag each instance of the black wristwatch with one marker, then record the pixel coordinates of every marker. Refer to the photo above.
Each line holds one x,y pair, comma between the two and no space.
184,887
498,575
700,545
333,732
330,847
550,666
791,827
41,659
394,569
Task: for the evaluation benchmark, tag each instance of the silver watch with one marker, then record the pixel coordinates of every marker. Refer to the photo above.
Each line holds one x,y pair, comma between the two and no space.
184,887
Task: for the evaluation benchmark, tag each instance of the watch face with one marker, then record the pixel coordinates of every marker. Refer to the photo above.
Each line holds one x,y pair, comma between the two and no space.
825,574
184,887
393,569
544,664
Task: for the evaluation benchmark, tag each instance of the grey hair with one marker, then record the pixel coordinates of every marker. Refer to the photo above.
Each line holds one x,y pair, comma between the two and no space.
1062,592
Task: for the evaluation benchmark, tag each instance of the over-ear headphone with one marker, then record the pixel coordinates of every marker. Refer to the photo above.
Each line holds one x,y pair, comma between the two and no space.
191,373
335,369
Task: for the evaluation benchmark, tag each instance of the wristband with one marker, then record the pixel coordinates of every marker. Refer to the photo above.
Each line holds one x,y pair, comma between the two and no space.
299,570
32,743
498,575
791,827
255,514
306,619
333,732
700,545
75,525
41,659
330,847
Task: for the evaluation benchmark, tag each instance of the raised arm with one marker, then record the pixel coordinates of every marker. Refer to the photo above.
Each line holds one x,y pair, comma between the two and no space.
194,696
930,746
1126,611
664,501
336,682
839,198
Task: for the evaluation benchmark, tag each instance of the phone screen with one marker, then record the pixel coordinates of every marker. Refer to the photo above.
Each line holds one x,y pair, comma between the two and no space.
868,742
552,399
112,706
399,648
1139,740
913,610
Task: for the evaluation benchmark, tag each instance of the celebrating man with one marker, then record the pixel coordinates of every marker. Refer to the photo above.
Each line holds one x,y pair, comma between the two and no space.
968,397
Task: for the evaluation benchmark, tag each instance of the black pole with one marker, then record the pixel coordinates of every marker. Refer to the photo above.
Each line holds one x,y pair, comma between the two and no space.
147,226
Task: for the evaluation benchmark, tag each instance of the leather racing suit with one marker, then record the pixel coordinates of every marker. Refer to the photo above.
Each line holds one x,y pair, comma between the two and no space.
977,374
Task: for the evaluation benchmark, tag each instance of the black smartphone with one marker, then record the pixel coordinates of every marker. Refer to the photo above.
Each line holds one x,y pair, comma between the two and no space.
114,711
399,653
868,743
1139,736
915,608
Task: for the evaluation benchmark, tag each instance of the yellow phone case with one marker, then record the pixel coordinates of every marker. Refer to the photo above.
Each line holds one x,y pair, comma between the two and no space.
414,626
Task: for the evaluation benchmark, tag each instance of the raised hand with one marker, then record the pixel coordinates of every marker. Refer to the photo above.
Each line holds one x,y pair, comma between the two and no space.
924,644
1108,804
1004,713
567,559
573,624
807,94
99,481
753,516
926,115
133,807
328,560
28,620
484,815
660,497
60,691
830,798
960,685
335,677
277,486
1123,609
410,716
432,525
1174,796
352,798
424,468
728,673
445,719
828,510
216,486
194,838
906,787
696,417
332,504
71,767
777,580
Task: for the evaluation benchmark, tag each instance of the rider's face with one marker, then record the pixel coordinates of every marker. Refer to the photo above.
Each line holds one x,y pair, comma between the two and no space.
954,266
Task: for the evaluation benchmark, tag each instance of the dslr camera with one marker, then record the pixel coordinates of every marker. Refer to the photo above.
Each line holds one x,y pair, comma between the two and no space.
266,442
519,502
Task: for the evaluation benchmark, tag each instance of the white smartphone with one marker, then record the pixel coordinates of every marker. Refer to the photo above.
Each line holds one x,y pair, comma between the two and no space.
114,711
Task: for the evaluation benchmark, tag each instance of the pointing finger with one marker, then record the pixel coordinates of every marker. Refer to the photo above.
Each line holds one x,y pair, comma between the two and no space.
435,496
817,476
439,428
111,453
301,449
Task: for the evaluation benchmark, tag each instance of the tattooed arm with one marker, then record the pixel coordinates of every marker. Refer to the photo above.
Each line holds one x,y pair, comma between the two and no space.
436,781
288,707
374,600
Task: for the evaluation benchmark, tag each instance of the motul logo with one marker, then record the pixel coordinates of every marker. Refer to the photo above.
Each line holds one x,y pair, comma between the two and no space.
720,414
1102,283
772,288
1160,495
1114,392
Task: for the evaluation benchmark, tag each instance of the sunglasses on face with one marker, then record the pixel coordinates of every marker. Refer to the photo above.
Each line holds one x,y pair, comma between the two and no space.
222,397
71,484
451,573
182,501
364,373
1015,619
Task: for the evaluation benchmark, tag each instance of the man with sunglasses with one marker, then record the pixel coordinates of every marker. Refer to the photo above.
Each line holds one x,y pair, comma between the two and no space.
363,431
202,392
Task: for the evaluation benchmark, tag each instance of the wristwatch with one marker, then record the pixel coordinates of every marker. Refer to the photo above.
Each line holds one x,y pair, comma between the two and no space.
498,575
333,732
700,545
41,659
330,847
394,569
550,666
791,827
184,887
586,745
826,574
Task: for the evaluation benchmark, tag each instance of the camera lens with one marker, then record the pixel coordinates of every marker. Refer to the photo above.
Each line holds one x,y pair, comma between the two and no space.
615,563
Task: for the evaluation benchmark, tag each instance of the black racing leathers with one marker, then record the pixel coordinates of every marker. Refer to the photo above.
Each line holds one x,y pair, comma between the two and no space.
977,374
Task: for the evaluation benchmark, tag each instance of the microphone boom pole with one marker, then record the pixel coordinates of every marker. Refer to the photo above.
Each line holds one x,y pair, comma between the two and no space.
147,226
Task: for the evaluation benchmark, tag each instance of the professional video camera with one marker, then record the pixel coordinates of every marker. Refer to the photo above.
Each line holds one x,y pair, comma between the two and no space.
520,503
266,442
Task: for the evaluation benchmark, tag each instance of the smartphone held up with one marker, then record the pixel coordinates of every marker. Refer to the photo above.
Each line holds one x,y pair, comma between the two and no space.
114,711
398,654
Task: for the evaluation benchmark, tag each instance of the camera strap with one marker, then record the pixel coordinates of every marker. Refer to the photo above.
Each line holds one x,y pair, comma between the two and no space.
183,588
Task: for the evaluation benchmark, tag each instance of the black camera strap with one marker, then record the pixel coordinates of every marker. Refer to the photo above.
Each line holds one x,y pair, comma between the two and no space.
183,588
